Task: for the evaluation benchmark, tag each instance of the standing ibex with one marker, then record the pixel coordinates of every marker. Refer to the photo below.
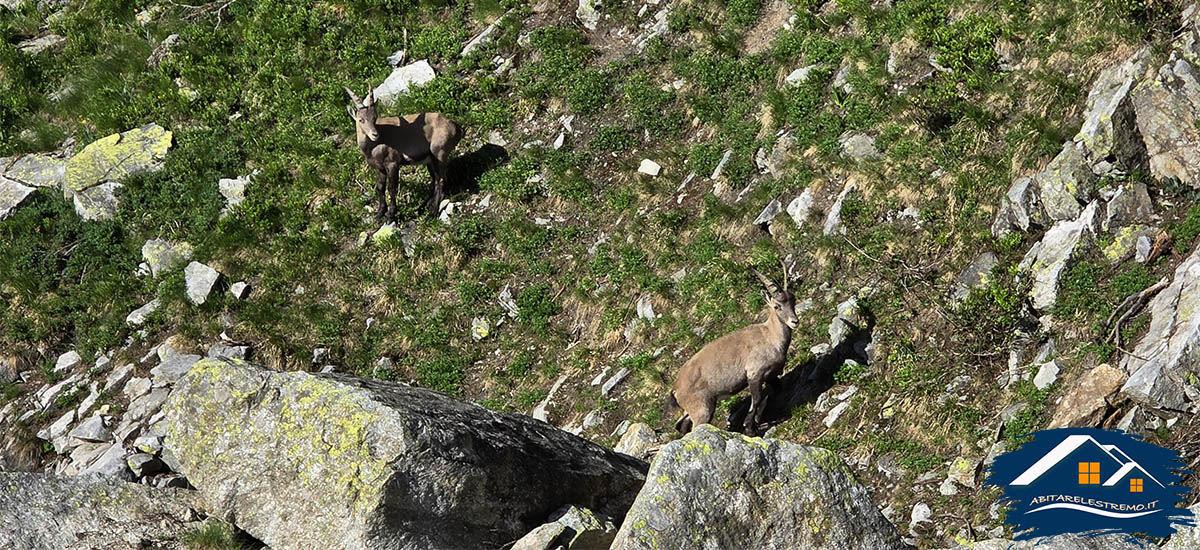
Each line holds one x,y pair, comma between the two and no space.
392,142
745,357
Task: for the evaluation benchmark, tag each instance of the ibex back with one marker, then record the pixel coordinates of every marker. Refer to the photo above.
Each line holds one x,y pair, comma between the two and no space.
746,357
391,142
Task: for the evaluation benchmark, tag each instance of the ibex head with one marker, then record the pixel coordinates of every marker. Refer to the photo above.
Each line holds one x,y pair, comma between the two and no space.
363,113
782,302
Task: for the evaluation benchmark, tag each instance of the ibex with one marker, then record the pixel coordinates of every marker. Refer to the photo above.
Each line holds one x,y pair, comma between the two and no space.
745,357
392,142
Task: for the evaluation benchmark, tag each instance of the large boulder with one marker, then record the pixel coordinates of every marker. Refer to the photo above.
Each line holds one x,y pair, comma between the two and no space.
1065,183
114,157
1164,370
38,512
1167,107
35,170
1060,542
304,460
715,489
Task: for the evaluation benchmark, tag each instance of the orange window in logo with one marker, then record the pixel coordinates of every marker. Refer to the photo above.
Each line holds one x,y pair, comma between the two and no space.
1089,473
1135,485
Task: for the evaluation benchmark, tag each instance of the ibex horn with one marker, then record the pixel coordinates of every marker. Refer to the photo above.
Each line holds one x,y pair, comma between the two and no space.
370,99
787,275
767,282
353,96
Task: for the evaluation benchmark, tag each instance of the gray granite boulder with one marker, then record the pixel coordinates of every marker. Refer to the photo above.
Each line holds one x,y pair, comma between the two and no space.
1167,107
715,489
334,461
1047,259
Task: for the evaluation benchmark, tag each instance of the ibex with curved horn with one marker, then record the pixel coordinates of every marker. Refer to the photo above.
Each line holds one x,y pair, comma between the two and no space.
391,142
745,357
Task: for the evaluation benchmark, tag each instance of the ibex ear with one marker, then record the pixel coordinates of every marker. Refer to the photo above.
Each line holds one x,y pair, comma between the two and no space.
350,110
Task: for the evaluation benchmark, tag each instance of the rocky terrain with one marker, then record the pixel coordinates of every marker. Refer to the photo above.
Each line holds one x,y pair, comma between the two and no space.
206,341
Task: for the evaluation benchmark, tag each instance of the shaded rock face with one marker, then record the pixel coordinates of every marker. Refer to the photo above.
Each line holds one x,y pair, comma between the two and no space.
12,194
1109,129
1163,106
39,512
1019,209
715,489
1164,370
305,461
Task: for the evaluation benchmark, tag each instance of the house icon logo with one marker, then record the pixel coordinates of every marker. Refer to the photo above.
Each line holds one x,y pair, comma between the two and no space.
1091,481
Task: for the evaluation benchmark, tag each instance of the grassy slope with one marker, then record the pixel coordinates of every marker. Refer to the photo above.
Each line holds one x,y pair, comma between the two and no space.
268,78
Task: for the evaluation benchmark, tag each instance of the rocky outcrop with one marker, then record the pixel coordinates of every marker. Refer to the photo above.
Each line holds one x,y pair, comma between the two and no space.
1086,401
1109,128
90,176
402,79
715,489
1061,542
38,512
1065,183
1167,107
303,460
1164,370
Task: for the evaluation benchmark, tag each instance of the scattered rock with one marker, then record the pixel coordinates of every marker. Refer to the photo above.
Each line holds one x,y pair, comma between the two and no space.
858,146
111,464
1163,367
1130,204
98,202
1086,401
221,349
1186,537
1047,259
1109,127
638,440
174,368
835,413
1065,182
1061,542
768,494
480,328
162,51
645,309
1047,374
1019,209
613,381
150,444
482,478
233,189
649,167
138,316
163,256
833,222
800,206
67,362
144,464
239,290
483,37
401,79
768,213
12,194
34,46
588,12
200,280
973,276
67,512
799,76
94,429
35,170
848,318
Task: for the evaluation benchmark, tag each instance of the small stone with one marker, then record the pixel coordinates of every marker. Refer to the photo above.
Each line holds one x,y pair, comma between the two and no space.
38,45
1047,374
479,328
769,213
402,79
149,443
138,317
397,58
588,12
67,362
233,189
58,428
240,290
221,349
94,429
200,280
649,167
800,206
833,222
637,441
164,256
1086,401
858,146
799,76
836,413
136,387
645,309
558,142
721,164
613,381
319,355
173,369
143,464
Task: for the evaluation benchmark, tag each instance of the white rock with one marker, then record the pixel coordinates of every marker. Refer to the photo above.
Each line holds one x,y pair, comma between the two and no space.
649,167
613,381
67,362
836,413
800,206
118,378
769,212
240,290
136,387
799,76
200,280
138,316
1047,374
833,222
402,79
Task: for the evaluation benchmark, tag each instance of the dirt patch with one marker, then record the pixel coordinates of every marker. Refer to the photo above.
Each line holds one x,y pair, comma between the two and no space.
774,16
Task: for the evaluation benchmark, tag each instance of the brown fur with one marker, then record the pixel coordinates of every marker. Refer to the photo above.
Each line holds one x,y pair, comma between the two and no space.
746,357
391,142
